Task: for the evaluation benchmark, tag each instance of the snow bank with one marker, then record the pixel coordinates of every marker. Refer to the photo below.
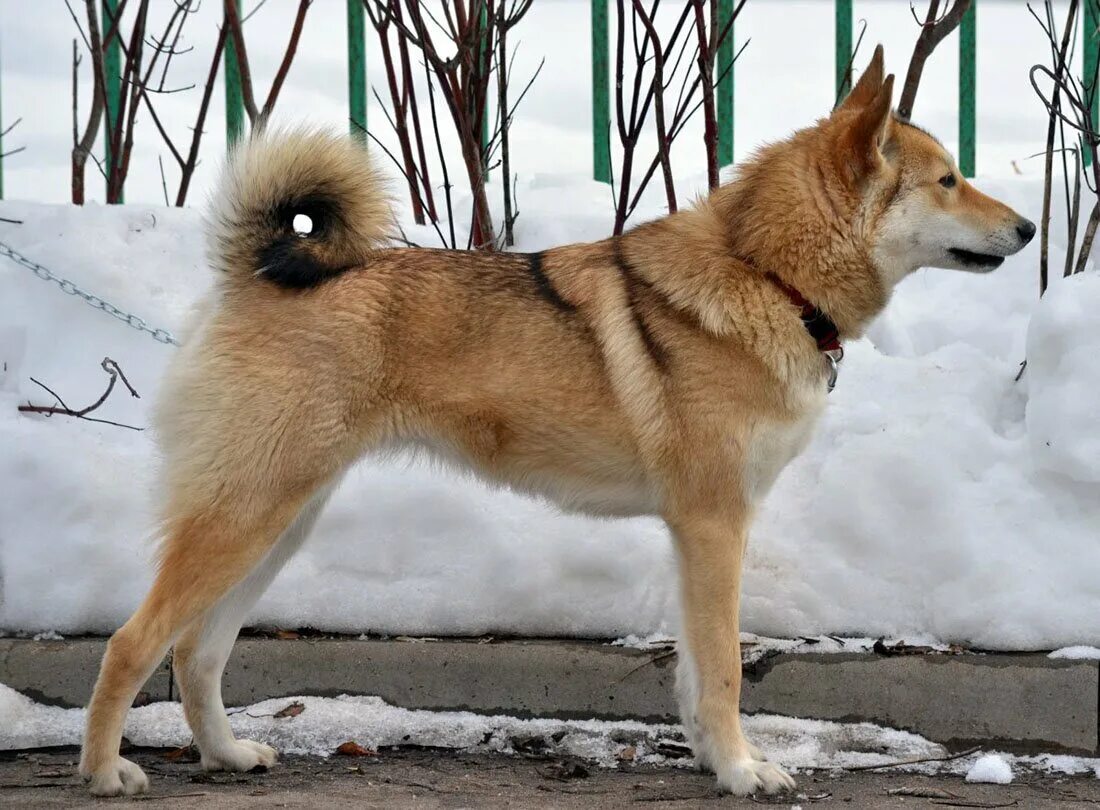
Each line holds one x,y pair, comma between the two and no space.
928,505
991,769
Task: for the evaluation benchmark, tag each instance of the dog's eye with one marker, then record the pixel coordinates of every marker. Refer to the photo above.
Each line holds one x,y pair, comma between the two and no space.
948,181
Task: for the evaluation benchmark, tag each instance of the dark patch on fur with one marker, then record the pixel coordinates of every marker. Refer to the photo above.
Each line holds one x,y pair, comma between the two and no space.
543,284
288,260
636,287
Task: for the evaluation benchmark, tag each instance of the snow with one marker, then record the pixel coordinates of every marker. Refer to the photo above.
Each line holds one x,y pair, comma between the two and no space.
991,769
1062,764
1063,366
326,723
1080,653
940,500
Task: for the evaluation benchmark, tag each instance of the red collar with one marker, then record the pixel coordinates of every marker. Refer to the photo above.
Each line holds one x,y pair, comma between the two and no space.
817,323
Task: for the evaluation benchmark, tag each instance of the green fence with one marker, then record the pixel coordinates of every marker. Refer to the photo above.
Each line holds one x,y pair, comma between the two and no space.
357,70
112,75
1090,45
601,117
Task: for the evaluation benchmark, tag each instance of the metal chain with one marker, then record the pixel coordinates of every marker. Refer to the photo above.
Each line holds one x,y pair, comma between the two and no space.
160,335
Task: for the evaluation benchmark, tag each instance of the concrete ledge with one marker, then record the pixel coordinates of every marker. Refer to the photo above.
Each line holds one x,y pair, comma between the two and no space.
1022,702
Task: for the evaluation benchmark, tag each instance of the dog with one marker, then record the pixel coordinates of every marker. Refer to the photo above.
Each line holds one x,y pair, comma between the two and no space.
671,371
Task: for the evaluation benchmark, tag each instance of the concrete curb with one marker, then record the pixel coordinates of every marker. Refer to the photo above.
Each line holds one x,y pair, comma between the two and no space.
1017,702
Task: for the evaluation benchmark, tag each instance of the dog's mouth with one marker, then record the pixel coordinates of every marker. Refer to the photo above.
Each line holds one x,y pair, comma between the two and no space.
977,261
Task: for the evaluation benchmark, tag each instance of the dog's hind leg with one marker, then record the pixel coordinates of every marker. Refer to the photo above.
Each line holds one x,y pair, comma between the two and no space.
711,547
200,654
207,551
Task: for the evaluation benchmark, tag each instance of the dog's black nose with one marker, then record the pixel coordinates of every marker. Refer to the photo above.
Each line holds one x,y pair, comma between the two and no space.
1026,229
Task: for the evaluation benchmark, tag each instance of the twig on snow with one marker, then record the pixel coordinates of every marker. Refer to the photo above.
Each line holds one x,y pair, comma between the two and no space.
916,761
112,368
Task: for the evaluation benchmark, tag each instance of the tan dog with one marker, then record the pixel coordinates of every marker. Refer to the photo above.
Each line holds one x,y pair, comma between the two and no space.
668,372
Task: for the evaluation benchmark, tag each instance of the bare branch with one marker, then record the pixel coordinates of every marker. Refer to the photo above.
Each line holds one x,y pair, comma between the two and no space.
113,370
288,58
933,30
83,147
233,22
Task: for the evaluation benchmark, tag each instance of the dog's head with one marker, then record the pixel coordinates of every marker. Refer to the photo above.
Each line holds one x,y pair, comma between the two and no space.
917,208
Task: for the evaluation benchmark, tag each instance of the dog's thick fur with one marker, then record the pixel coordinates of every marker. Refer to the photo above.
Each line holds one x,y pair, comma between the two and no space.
662,372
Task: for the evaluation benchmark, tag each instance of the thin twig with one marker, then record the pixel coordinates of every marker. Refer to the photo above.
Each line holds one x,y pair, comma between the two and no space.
163,179
288,58
113,370
400,168
917,761
851,61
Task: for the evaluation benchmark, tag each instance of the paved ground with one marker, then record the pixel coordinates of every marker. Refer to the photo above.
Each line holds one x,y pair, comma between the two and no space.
423,778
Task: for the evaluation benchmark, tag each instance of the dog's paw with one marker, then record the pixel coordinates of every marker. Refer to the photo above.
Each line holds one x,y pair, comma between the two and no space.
748,776
119,777
755,752
240,756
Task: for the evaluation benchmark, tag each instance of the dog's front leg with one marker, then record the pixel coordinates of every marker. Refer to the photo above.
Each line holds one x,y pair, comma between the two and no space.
711,547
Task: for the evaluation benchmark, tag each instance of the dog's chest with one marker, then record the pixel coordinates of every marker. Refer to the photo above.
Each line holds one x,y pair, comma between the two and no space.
770,447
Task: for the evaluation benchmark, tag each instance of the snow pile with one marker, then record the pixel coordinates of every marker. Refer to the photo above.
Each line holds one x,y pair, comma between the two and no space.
1063,351
991,769
939,500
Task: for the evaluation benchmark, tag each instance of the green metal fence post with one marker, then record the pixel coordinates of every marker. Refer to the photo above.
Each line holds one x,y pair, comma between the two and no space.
357,71
483,23
601,108
725,84
112,75
1090,47
234,98
843,48
967,77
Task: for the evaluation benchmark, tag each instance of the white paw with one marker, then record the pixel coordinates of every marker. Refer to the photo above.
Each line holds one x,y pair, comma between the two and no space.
751,776
119,777
239,756
755,752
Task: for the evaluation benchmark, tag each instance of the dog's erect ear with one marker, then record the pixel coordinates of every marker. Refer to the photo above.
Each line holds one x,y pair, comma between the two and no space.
868,85
863,140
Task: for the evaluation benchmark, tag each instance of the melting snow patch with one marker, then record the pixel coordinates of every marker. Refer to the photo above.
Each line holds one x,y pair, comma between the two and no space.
1079,652
325,723
653,641
1061,763
991,769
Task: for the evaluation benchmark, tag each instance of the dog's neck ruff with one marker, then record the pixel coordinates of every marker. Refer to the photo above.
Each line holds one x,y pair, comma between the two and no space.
818,324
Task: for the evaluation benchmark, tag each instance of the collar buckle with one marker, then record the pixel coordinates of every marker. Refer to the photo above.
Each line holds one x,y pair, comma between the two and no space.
819,325
832,363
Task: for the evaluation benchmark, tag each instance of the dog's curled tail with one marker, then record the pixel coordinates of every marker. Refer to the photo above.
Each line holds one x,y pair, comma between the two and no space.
255,228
